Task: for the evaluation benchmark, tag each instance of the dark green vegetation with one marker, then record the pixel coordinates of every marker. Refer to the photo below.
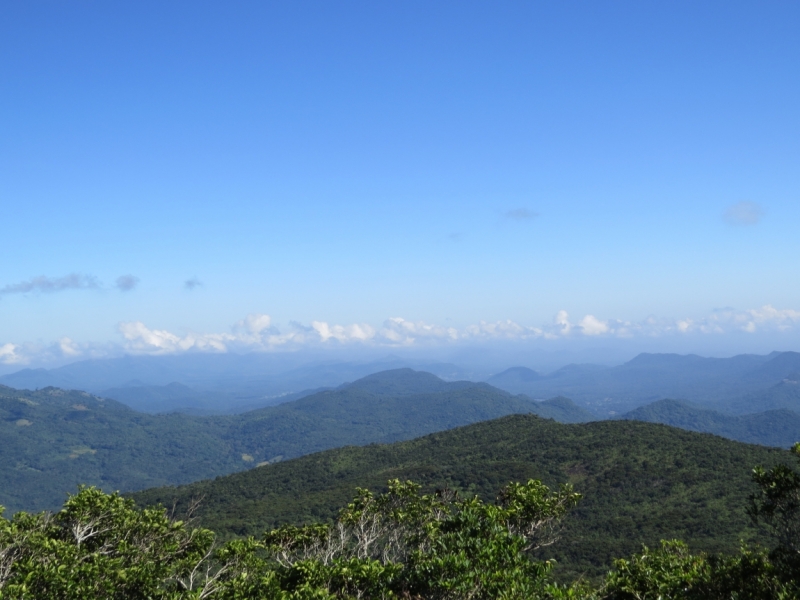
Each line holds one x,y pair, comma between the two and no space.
399,544
641,483
771,428
747,383
54,440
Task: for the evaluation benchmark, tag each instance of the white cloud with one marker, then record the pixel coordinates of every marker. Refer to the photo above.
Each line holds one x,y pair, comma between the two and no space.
397,330
561,324
766,318
9,355
591,325
141,339
256,323
502,330
256,332
68,347
63,350
343,333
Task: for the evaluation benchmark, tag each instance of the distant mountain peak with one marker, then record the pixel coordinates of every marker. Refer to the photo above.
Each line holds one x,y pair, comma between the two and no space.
518,374
398,382
651,358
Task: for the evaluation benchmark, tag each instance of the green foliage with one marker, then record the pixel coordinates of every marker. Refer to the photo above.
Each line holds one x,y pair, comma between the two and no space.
777,506
671,571
641,483
397,544
54,439
99,546
431,546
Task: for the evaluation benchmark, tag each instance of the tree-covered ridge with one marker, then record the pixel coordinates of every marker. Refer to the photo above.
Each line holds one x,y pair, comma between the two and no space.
779,428
398,544
55,439
641,483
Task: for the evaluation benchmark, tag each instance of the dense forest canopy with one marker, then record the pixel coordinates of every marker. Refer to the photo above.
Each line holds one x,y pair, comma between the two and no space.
399,544
641,482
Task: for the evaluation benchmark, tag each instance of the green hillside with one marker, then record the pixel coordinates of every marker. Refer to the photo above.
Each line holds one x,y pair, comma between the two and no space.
641,482
770,428
54,440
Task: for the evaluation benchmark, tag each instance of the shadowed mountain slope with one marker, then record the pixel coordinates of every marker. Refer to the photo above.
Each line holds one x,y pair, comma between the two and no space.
785,394
770,428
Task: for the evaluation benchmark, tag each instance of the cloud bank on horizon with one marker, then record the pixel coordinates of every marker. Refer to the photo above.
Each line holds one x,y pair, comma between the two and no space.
257,333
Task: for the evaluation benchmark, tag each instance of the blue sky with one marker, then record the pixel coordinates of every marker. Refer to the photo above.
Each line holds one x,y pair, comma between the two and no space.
468,169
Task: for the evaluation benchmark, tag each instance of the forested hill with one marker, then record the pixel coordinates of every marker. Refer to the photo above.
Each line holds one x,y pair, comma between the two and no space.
770,428
641,482
54,440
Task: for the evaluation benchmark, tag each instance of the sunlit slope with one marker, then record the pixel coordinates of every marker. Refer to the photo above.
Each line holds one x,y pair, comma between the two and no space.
641,481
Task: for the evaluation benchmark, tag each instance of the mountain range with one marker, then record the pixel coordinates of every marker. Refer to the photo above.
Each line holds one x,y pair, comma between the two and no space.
212,383
54,439
742,384
229,383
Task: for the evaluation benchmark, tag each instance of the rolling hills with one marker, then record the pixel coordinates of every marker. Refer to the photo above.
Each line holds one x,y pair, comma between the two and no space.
54,439
778,427
641,482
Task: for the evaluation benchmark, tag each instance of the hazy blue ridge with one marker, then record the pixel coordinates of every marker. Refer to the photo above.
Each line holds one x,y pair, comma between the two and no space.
218,383
770,428
563,410
743,383
55,439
